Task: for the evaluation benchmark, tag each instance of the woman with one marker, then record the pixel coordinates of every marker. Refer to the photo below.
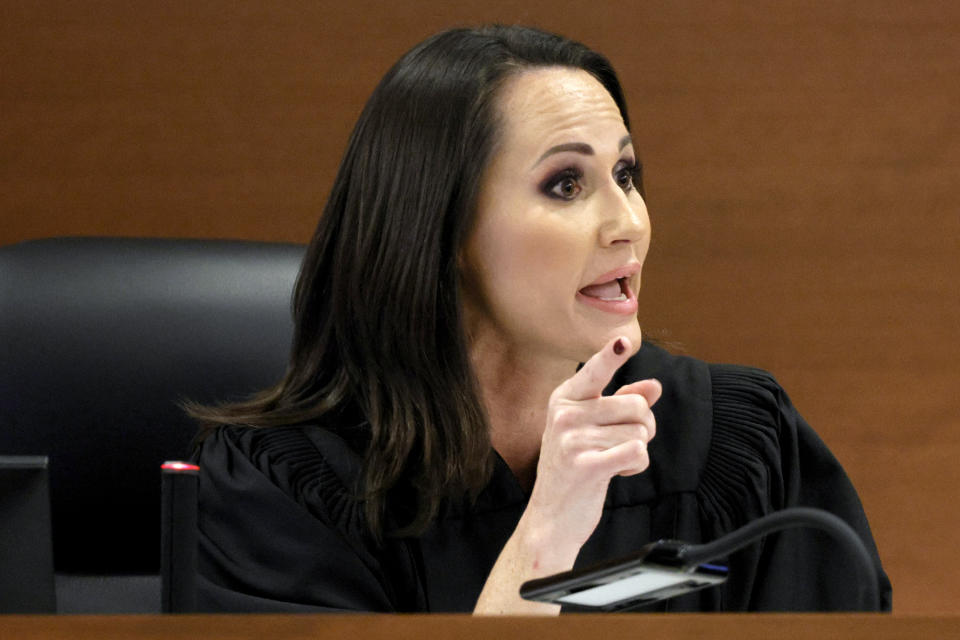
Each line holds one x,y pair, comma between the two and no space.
435,442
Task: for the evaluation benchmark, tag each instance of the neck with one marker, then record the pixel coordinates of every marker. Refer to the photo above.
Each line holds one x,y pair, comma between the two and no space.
515,386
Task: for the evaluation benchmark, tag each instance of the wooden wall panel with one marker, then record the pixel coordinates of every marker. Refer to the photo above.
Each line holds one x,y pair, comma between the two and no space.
802,162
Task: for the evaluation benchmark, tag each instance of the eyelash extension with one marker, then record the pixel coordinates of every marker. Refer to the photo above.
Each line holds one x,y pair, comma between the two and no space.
570,173
634,170
636,175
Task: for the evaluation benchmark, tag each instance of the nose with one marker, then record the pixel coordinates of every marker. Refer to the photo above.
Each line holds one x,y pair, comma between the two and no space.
624,218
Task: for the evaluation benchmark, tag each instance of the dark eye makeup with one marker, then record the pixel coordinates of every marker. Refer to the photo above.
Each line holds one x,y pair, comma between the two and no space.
564,184
567,183
629,175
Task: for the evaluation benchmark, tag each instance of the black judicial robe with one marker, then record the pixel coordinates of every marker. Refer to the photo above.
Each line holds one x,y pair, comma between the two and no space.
280,529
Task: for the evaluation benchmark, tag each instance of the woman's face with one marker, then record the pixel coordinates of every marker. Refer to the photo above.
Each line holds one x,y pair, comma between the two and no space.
552,264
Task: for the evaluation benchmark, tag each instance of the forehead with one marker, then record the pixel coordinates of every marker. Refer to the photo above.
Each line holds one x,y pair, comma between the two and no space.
547,106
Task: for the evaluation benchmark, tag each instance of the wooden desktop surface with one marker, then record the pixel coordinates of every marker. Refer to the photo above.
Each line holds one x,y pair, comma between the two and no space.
435,627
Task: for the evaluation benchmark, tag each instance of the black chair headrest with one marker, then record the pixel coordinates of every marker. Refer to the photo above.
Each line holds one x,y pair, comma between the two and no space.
100,340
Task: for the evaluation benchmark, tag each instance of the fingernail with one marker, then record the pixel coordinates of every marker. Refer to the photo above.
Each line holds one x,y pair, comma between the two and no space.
618,346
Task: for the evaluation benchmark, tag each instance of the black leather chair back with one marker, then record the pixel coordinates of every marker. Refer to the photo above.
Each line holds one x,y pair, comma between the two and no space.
100,340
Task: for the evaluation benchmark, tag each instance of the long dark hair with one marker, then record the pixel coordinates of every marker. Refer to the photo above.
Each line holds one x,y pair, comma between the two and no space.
377,305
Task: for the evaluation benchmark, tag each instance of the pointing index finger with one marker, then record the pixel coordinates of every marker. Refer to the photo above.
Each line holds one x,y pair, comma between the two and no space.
590,381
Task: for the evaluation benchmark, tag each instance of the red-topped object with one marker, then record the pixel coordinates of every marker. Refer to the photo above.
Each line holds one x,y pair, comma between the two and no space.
179,467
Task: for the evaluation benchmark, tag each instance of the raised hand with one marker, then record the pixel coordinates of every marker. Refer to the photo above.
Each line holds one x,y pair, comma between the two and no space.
588,439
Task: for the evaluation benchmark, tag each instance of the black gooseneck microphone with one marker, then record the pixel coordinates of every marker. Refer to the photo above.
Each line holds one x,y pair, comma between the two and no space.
669,568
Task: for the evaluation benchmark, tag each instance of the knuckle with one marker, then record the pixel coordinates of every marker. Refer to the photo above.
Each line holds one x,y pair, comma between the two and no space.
575,448
636,459
641,455
636,451
651,429
564,417
569,441
559,393
640,405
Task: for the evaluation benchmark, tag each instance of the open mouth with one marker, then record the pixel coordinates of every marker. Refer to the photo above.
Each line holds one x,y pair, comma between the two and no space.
612,291
612,296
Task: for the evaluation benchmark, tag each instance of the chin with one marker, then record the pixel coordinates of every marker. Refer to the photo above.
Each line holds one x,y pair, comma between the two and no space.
631,331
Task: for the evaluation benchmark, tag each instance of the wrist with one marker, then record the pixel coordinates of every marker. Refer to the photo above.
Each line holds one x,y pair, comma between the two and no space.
531,552
547,549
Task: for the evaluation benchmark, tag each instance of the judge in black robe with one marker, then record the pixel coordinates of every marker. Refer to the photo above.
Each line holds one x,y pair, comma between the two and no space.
281,528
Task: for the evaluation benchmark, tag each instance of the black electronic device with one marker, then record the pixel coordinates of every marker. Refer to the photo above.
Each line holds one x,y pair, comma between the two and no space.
656,572
669,568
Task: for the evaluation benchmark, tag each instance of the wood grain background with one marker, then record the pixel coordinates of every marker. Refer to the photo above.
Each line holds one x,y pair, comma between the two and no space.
802,162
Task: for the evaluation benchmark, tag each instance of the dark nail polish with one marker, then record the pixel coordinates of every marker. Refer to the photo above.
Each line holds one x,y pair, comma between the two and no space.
618,347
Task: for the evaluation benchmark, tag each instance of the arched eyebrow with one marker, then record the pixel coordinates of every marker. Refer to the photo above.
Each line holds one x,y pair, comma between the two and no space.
578,147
